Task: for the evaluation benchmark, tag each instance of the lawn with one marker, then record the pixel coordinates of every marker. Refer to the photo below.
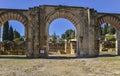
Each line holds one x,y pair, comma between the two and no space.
21,66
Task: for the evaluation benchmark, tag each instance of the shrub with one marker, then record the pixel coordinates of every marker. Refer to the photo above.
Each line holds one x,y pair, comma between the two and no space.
18,39
110,37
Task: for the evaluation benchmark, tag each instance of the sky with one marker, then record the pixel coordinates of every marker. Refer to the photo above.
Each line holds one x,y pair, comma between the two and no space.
60,25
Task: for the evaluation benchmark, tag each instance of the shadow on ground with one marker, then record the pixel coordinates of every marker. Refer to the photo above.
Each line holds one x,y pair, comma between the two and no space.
107,55
52,57
13,57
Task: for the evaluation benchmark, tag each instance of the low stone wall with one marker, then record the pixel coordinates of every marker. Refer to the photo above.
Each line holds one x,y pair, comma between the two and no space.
56,47
12,48
64,48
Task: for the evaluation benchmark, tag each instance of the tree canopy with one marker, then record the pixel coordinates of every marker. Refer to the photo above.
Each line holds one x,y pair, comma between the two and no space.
69,34
106,29
8,33
5,31
11,35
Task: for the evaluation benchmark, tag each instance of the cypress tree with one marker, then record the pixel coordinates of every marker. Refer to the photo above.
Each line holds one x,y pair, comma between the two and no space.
11,35
111,30
5,31
54,38
100,31
105,29
16,34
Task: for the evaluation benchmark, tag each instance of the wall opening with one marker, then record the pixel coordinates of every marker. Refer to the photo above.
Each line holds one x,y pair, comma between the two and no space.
12,38
62,38
107,39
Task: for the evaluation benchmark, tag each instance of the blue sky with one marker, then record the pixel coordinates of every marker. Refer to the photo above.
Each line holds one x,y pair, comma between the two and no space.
109,6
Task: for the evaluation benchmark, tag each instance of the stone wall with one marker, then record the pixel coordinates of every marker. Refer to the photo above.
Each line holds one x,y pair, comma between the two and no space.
38,19
11,47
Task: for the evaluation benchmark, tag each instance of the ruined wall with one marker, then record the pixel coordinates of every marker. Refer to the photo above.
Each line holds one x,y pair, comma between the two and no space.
38,19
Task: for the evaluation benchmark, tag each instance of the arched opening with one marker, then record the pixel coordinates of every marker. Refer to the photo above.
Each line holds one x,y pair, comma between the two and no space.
12,38
62,38
115,24
107,39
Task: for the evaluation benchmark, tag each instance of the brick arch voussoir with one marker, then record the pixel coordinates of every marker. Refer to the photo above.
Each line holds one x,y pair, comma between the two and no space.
115,21
62,14
13,16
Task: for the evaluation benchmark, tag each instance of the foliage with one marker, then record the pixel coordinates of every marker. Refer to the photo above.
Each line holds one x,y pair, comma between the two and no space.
5,31
100,31
111,30
16,39
110,37
54,38
108,44
11,35
69,34
16,34
8,33
63,36
105,29
19,39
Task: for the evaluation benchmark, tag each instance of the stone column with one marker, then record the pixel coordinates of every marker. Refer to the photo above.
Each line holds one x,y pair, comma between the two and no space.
82,35
36,40
33,36
72,50
29,41
92,33
65,46
118,41
47,42
82,43
84,51
78,41
44,45
36,30
0,34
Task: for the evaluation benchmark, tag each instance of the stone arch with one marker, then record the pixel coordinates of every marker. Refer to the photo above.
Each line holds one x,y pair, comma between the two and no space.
5,16
113,20
62,14
12,16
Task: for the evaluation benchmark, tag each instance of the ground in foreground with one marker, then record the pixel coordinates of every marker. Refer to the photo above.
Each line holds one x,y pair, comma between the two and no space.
20,66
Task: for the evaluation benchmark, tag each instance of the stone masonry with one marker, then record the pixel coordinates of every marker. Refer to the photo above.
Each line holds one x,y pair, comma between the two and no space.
37,21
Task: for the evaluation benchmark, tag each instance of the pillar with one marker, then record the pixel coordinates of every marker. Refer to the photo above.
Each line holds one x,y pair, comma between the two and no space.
0,34
82,35
36,40
93,51
118,42
29,41
44,35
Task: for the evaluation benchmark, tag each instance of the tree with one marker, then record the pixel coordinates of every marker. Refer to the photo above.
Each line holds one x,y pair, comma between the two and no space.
105,29
5,31
111,30
11,35
72,36
16,34
69,34
54,38
63,36
100,31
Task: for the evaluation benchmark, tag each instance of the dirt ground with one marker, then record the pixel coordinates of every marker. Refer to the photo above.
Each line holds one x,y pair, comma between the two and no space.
63,66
